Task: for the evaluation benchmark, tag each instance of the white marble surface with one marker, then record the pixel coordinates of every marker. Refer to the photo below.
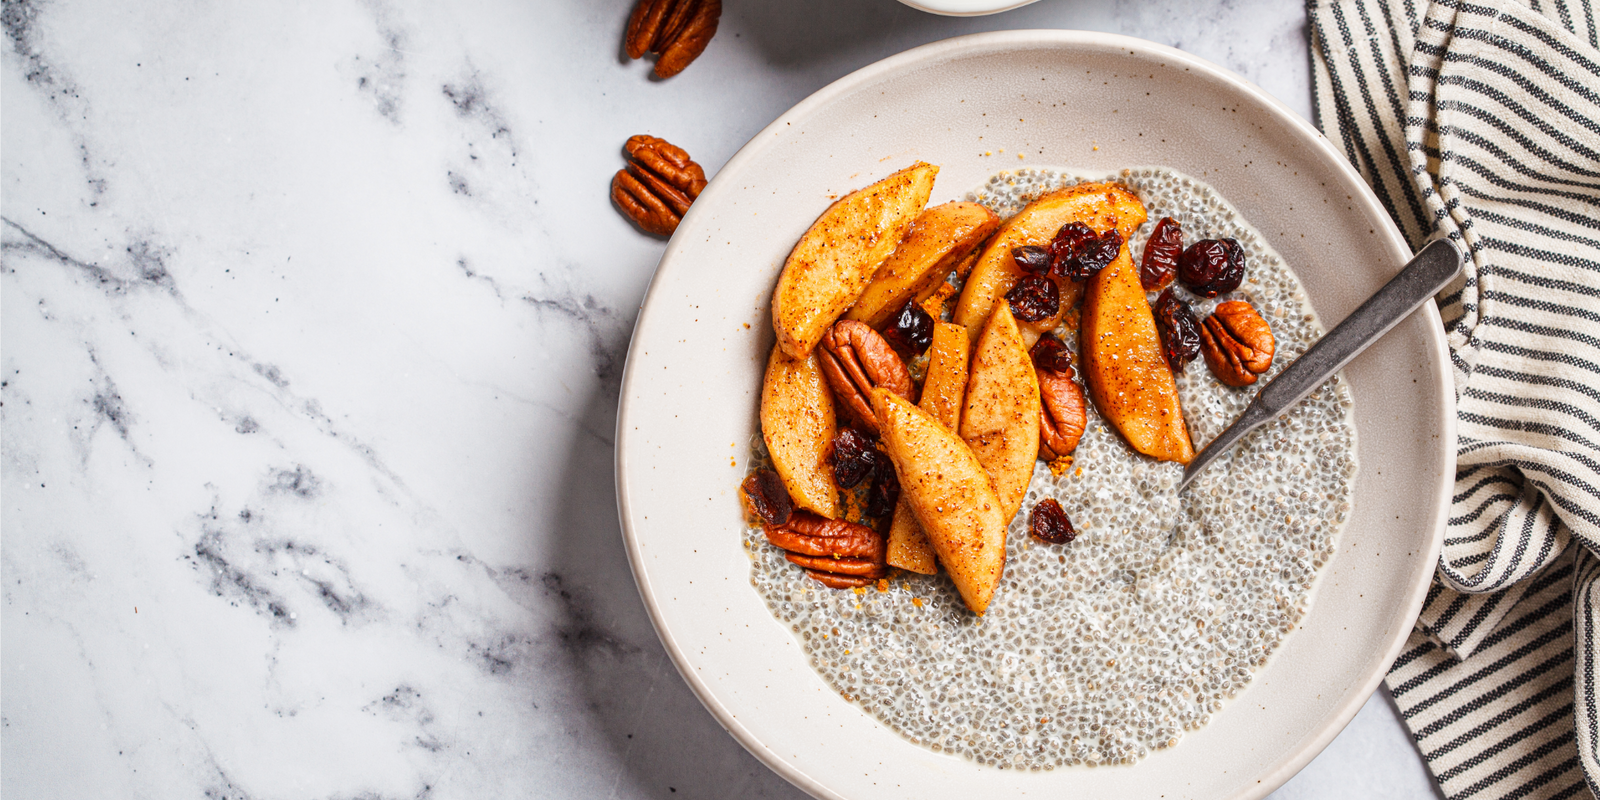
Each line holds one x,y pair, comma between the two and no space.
313,319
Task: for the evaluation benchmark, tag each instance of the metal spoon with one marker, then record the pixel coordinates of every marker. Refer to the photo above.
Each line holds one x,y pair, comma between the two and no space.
1429,272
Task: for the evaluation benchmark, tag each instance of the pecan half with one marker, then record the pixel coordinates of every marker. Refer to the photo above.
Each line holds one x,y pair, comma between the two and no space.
642,206
1237,343
839,554
644,24
668,161
1062,413
833,581
672,24
808,534
862,567
678,30
688,42
856,359
658,185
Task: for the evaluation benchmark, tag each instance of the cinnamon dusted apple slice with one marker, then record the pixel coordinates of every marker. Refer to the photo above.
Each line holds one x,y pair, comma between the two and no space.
943,392
1001,418
940,238
797,423
1127,376
835,259
950,494
1101,206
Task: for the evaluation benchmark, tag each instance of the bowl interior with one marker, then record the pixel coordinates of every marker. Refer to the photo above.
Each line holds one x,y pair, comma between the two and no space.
974,105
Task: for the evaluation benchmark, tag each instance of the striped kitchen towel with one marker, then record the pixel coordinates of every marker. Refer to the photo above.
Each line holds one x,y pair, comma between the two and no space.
1480,121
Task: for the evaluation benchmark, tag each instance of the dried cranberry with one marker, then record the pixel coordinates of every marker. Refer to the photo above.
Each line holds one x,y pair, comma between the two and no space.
1098,254
1180,332
767,497
1049,523
1161,255
1089,256
1034,298
1051,355
885,489
1068,245
1031,258
853,456
911,330
1212,266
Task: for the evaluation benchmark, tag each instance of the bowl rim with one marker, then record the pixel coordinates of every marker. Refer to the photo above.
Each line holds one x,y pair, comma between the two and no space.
1000,41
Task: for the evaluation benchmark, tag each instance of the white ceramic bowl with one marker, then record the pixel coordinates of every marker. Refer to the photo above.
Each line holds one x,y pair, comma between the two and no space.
966,8
1060,98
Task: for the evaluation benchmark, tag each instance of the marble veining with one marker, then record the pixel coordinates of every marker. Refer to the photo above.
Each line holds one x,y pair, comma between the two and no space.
312,324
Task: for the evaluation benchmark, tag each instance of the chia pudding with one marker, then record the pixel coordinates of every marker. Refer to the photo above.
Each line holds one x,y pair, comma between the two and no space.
1101,650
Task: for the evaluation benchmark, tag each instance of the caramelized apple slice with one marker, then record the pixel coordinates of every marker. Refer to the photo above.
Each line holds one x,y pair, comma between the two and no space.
1127,377
939,239
835,259
943,392
1101,206
949,493
798,423
1001,418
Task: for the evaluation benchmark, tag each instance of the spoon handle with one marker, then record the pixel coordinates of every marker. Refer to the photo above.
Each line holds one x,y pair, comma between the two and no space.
1422,278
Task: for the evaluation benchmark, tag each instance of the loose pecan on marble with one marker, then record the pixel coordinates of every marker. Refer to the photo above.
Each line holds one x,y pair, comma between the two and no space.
1237,343
678,30
855,359
644,24
658,185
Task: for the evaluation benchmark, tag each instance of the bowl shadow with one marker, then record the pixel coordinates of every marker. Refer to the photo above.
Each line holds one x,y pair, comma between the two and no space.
662,740
796,35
